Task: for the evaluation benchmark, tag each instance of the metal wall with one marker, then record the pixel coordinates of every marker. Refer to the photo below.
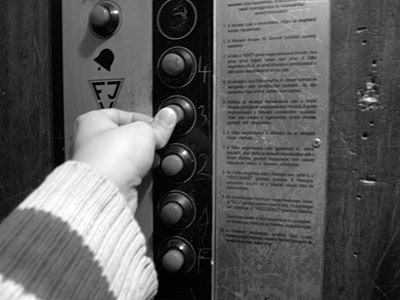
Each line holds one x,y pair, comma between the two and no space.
363,221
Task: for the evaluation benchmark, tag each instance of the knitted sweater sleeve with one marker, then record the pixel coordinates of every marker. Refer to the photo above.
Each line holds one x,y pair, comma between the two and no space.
74,237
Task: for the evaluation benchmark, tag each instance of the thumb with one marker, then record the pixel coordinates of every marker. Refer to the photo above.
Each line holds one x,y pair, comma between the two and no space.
163,124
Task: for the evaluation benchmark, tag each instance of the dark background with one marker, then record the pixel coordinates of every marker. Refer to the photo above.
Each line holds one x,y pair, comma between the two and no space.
30,96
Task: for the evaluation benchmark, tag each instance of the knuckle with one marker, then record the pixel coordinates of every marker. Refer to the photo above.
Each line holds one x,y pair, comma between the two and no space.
84,117
144,127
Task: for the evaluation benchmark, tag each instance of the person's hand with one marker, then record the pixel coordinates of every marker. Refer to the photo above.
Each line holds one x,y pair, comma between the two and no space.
121,145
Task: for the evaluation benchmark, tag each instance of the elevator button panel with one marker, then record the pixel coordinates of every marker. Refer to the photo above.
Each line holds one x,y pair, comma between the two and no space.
182,189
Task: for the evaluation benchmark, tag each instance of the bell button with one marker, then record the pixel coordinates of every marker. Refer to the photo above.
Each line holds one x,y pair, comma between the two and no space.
104,19
172,164
173,260
173,64
99,16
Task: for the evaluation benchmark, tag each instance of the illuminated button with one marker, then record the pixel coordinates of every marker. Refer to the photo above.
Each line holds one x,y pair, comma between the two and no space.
172,164
173,260
99,16
173,64
171,213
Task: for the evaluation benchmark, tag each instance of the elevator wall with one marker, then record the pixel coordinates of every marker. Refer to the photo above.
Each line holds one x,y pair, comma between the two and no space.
363,222
26,111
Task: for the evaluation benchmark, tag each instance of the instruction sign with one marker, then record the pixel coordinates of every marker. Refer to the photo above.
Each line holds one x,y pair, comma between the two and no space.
271,116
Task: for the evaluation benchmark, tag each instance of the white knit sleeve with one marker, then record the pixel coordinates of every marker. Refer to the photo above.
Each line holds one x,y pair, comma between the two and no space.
74,238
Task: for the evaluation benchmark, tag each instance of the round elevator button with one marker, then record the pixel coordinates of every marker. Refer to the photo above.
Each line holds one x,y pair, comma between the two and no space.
173,64
99,16
104,19
177,67
177,255
178,163
173,260
171,213
172,164
177,209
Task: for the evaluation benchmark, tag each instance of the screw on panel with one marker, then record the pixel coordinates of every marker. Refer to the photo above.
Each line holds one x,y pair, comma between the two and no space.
316,143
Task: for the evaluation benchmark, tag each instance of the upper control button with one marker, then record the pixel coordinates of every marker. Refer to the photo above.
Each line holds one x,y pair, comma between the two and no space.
99,16
104,19
173,64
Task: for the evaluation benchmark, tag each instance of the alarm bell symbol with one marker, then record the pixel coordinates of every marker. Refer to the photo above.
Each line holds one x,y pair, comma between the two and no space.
105,59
